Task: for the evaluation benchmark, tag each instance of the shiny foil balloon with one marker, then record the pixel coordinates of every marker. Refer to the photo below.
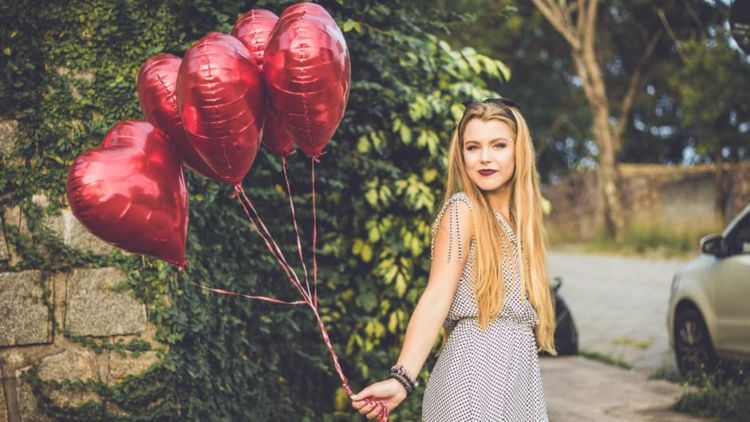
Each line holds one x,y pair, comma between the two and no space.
130,192
254,29
275,136
220,98
157,84
307,75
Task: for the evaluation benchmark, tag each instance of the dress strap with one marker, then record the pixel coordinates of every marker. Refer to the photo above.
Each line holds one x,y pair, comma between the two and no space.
454,230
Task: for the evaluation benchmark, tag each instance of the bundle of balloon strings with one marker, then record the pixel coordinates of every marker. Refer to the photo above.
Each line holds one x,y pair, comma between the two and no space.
309,297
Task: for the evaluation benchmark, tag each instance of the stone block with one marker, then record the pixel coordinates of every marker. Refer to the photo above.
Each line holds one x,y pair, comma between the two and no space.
12,216
24,318
94,309
70,365
8,136
75,75
64,225
27,404
3,401
53,223
58,283
123,366
77,236
4,253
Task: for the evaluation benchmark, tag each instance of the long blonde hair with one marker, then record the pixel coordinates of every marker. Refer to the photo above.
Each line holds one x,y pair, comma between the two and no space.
526,212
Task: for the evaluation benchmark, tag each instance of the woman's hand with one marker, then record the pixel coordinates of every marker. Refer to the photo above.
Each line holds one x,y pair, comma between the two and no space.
389,391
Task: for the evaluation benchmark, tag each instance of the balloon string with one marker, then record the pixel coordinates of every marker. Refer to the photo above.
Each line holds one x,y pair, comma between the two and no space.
296,226
270,243
315,236
246,296
312,303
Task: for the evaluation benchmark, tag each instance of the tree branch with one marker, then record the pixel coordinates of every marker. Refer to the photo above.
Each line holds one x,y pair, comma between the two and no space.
671,34
635,81
558,19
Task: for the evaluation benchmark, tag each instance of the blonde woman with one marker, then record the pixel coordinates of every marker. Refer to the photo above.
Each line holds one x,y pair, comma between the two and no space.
487,283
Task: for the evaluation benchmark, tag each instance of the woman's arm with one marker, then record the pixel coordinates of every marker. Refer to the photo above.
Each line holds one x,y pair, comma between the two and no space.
454,234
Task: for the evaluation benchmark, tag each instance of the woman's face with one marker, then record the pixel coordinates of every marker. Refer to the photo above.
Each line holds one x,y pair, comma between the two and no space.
489,153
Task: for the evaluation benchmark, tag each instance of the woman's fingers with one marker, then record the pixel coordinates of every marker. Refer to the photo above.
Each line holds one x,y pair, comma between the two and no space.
367,408
368,391
374,413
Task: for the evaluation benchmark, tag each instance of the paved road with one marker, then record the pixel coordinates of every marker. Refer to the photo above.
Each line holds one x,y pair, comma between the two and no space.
583,390
619,305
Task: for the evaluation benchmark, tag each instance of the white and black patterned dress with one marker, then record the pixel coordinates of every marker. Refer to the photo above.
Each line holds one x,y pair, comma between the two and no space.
492,375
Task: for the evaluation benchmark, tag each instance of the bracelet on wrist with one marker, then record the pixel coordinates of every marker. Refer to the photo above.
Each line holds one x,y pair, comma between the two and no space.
404,383
401,371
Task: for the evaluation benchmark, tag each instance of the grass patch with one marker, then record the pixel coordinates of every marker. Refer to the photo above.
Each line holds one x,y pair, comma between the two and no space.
642,239
590,354
723,394
667,375
627,341
728,403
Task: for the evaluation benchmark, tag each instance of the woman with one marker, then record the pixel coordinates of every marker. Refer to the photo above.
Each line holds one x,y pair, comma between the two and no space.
487,284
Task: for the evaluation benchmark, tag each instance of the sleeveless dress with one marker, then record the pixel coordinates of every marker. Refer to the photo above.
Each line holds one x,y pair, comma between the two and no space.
492,375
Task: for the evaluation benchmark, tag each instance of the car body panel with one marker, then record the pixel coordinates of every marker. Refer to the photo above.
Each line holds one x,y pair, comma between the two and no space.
719,287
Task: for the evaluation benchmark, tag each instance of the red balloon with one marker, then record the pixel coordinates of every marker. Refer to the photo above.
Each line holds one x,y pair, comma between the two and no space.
220,98
157,83
275,136
130,192
253,29
307,74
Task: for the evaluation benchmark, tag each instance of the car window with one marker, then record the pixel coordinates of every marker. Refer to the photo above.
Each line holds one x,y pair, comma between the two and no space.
739,239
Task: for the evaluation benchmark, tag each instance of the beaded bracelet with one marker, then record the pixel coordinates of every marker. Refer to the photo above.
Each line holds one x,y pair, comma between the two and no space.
401,371
404,382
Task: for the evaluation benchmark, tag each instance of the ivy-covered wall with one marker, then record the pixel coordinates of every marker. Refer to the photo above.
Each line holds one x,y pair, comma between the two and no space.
68,74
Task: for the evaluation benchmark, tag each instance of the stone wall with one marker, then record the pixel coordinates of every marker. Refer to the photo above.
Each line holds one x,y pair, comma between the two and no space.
655,195
37,307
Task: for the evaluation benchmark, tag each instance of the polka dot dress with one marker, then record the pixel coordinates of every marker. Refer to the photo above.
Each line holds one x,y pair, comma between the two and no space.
491,375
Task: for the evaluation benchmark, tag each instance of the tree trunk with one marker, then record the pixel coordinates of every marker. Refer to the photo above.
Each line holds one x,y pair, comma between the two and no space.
722,182
608,191
579,30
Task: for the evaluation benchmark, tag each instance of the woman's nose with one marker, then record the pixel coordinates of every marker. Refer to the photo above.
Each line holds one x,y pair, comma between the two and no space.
485,155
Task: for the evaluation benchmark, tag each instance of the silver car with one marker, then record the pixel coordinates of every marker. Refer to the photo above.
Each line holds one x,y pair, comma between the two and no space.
709,305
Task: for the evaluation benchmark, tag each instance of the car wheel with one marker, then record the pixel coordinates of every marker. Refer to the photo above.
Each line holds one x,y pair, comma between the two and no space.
693,349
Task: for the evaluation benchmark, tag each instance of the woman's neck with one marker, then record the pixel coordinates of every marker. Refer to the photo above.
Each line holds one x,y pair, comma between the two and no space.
500,201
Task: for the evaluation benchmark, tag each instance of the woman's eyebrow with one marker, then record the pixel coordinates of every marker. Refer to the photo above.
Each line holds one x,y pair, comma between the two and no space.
468,141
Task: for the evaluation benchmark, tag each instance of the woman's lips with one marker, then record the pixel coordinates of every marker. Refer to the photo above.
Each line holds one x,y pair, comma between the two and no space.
487,172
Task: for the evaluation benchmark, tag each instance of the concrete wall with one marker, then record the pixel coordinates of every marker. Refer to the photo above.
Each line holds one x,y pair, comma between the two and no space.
37,307
654,195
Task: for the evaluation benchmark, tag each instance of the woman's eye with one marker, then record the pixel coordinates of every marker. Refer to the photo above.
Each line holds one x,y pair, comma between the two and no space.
471,148
500,146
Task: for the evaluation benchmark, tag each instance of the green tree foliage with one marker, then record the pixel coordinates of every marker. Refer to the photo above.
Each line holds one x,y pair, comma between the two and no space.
68,74
658,127
542,80
714,86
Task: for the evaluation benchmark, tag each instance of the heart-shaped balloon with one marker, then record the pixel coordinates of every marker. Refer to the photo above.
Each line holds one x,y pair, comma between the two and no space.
157,83
254,30
130,192
307,74
275,136
220,98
